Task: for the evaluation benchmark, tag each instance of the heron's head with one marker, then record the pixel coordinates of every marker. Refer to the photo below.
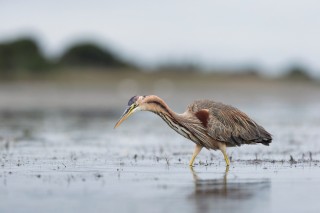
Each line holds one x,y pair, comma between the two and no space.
135,103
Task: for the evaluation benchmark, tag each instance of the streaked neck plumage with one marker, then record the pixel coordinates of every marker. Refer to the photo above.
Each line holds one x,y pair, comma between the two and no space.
178,122
158,106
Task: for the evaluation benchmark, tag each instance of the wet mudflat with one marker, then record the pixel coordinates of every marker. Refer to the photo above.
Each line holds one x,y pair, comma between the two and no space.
60,161
85,180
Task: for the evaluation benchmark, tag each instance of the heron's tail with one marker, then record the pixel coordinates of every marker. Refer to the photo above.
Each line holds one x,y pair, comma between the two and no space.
265,137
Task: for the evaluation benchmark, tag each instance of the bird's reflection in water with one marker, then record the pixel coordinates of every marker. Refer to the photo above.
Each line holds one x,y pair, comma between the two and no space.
219,192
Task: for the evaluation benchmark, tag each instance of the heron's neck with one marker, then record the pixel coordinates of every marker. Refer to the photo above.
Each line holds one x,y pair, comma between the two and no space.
174,120
159,107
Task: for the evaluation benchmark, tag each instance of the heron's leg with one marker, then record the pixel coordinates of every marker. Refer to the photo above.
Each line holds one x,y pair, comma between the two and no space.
223,150
196,151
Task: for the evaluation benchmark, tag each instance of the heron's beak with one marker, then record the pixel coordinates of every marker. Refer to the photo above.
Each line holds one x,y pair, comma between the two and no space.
129,111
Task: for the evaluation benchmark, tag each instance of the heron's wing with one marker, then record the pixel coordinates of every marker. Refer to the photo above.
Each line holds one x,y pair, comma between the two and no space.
235,128
231,126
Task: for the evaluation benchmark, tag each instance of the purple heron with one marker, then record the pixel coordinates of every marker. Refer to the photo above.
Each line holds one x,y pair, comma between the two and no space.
208,124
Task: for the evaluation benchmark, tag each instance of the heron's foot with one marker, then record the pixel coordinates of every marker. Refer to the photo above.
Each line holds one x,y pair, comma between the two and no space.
227,169
191,162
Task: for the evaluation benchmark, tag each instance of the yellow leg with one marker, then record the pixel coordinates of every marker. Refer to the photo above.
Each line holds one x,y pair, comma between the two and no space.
223,150
196,151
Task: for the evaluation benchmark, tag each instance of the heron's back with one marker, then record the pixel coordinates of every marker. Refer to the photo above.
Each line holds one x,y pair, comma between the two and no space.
227,124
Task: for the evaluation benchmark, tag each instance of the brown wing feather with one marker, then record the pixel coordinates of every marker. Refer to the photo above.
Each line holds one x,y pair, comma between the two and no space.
228,124
203,116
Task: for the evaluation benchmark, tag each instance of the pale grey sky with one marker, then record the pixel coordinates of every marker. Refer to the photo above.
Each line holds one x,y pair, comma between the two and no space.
271,34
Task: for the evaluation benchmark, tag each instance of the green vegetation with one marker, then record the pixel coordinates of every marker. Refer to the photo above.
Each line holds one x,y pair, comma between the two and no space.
24,57
298,72
90,55
23,54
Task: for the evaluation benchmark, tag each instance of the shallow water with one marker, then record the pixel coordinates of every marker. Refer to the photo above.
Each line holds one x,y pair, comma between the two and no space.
60,161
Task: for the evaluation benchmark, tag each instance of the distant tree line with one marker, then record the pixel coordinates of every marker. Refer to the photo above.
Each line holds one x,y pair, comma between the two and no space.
25,55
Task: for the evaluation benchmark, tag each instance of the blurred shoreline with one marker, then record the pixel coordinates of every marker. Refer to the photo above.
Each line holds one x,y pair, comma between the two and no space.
80,75
92,89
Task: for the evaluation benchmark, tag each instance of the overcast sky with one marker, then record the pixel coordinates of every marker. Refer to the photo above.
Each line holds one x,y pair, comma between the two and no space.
270,34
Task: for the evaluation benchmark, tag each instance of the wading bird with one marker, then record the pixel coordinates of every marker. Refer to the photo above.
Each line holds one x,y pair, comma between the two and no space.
208,124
